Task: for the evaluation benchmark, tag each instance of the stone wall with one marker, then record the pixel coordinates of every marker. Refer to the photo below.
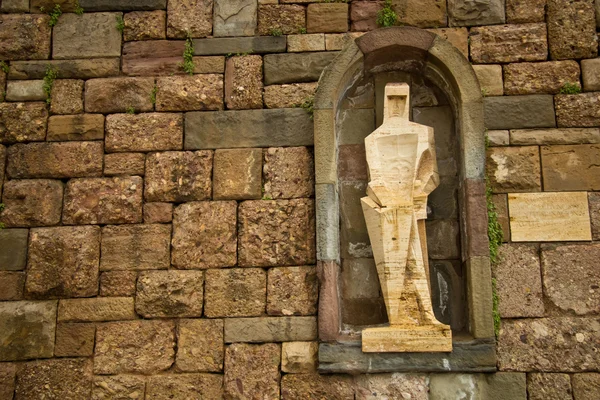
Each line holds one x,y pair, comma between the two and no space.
159,235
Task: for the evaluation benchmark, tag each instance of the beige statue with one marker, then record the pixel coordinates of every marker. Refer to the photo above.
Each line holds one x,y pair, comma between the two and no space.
403,171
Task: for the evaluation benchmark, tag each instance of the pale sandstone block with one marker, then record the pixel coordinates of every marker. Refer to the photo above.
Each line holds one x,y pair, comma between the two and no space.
25,91
310,42
235,292
498,138
544,77
590,70
514,169
509,43
490,79
237,174
96,309
299,357
124,164
458,37
571,167
287,96
554,136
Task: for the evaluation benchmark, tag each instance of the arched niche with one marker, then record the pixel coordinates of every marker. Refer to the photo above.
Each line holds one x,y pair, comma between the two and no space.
445,94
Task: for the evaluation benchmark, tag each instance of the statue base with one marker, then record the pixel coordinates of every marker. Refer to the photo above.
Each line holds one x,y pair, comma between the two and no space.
407,339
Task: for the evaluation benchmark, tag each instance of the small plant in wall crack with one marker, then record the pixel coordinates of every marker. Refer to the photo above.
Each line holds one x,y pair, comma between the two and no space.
275,32
130,110
387,16
54,14
4,67
308,105
570,88
120,23
49,78
188,56
78,9
153,95
1,209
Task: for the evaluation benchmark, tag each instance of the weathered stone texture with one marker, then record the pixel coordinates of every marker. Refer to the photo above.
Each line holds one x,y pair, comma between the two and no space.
142,347
252,371
544,77
235,45
124,164
144,25
135,247
299,357
158,213
289,172
13,249
74,340
169,294
32,202
590,70
75,127
393,386
290,95
185,386
63,262
270,329
235,18
572,29
114,95
200,345
14,6
327,17
579,110
23,122
189,17
235,292
514,169
24,37
532,345
594,201
586,386
66,379
458,37
67,96
90,35
69,69
204,235
292,291
541,386
337,41
509,43
25,91
296,67
497,386
518,112
144,132
104,5
519,284
190,93
45,6
498,138
27,329
520,11
306,42
118,387
96,309
280,232
55,160
363,15
11,285
470,13
2,85
243,82
7,371
571,167
118,283
178,176
555,136
316,386
443,239
287,18
237,174
115,200
422,14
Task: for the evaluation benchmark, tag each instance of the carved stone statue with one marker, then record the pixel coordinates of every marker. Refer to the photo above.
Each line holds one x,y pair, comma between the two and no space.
403,171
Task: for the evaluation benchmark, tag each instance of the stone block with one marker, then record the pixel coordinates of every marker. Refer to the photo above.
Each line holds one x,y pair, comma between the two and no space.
11,285
531,345
290,95
578,110
296,67
118,283
23,122
248,128
590,70
518,112
422,14
555,136
352,163
145,25
270,329
252,371
243,82
75,127
209,65
337,41
514,169
310,386
572,29
14,6
235,292
235,18
135,247
279,232
24,37
498,386
25,91
27,329
74,340
520,12
142,347
32,202
544,77
569,288
457,37
55,160
8,371
519,284
443,239
490,79
285,18
115,200
299,357
107,5
67,96
163,294
500,202
256,45
63,262
594,201
185,386
392,386
292,291
45,6
571,167
586,386
204,235
13,249
158,213
237,174
310,42
498,138
509,43
327,17
90,35
144,132
118,386
67,379
190,93
363,15
69,69
473,13
96,309
288,173
124,164
118,95
541,386
189,17
200,345
359,279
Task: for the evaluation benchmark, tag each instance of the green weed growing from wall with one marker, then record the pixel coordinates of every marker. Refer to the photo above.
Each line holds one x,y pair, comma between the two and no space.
386,16
275,32
54,14
49,78
570,88
308,105
1,209
188,55
78,9
153,95
120,23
